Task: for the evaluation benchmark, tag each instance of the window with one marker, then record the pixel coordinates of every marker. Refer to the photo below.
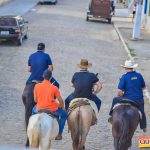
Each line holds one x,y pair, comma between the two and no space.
7,22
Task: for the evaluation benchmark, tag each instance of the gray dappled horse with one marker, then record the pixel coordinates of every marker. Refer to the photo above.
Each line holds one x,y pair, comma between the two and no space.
28,101
79,122
125,119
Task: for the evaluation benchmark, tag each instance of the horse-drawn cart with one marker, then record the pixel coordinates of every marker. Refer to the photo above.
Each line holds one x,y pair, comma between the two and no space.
100,9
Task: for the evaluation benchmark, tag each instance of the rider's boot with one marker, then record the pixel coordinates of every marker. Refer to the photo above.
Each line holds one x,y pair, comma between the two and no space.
58,137
145,130
110,119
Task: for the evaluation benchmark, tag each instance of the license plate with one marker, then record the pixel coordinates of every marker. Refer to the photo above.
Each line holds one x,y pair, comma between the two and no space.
4,32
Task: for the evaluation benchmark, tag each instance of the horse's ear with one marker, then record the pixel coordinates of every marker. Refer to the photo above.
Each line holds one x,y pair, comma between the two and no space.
97,74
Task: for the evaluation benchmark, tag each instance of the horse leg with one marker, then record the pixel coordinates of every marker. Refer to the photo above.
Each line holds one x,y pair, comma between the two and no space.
116,143
73,125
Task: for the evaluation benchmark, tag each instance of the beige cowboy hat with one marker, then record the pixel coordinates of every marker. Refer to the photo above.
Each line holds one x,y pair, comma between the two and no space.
84,64
129,64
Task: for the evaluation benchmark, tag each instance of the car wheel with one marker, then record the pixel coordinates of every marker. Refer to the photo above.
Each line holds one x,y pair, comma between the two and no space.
19,41
109,20
26,36
87,18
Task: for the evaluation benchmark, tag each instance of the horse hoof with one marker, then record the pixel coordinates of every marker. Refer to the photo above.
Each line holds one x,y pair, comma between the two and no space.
27,144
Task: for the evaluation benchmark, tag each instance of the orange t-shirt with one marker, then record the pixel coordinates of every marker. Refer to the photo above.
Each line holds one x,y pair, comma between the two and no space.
44,93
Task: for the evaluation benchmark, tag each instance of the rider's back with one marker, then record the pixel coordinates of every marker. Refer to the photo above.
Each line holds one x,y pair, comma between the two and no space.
83,83
39,62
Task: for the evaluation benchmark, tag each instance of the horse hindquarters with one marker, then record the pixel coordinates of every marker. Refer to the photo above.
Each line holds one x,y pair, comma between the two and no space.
74,127
79,122
33,131
85,121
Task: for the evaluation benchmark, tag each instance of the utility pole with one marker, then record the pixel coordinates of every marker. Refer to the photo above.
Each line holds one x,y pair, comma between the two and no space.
138,18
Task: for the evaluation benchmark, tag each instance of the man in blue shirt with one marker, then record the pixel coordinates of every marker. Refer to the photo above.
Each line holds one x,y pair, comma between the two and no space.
131,87
38,62
83,83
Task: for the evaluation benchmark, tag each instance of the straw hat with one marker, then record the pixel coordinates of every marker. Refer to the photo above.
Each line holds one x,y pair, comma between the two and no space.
129,64
84,64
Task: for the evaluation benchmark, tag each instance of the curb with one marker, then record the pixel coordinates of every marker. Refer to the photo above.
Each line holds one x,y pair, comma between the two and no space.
146,91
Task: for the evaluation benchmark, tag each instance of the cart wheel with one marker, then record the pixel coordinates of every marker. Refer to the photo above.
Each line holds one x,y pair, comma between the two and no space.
109,20
87,18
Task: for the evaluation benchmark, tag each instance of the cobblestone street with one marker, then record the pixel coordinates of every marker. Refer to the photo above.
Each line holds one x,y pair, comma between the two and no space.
68,38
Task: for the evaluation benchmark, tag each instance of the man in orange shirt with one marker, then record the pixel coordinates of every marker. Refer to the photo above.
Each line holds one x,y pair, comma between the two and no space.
45,94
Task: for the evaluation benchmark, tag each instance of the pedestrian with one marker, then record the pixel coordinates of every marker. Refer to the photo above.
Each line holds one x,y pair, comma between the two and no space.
38,62
113,6
131,86
45,95
134,9
83,82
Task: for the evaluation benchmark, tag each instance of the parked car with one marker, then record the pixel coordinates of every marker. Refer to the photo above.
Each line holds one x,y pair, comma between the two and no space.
13,28
48,2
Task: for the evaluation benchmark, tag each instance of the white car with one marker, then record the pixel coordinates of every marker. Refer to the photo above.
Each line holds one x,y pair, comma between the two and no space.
48,2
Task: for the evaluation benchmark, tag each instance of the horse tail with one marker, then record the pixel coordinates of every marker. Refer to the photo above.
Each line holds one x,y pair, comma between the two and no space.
124,138
34,133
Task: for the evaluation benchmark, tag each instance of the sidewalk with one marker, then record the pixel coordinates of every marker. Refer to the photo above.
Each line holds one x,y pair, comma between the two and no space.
18,7
138,50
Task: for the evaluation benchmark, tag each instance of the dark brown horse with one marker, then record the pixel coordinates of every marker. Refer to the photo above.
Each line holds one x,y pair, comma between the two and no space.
79,122
28,101
125,119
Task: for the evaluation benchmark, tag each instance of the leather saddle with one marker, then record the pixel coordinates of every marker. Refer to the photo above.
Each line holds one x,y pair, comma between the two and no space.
75,104
128,102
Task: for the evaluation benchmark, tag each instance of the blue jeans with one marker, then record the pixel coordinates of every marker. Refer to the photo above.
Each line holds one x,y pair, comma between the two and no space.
140,106
94,98
63,116
60,112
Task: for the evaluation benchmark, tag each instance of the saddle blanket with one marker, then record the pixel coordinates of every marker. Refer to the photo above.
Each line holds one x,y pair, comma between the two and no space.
93,105
119,104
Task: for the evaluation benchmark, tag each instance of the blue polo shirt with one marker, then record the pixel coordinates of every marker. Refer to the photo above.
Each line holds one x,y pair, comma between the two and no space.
132,83
83,82
39,62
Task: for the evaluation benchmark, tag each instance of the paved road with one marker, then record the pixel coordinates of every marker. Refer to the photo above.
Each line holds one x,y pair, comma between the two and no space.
18,7
68,38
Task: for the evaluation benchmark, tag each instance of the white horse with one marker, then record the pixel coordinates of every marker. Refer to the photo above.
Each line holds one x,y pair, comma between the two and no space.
41,130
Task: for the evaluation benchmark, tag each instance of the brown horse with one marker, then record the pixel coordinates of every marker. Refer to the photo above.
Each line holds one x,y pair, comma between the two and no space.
125,119
79,121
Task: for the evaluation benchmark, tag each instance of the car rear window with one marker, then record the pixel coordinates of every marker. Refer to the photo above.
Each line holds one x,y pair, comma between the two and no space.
7,22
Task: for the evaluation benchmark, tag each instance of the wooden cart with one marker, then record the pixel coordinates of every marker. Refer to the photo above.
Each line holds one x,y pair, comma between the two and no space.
100,9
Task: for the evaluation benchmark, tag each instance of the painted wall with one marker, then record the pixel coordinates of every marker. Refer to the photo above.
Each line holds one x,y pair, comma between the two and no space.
2,2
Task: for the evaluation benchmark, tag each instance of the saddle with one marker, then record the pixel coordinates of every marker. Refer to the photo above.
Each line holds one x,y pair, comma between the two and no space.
51,114
76,103
128,102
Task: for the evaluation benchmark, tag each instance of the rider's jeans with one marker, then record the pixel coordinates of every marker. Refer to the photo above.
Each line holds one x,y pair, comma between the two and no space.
60,112
140,104
94,98
63,116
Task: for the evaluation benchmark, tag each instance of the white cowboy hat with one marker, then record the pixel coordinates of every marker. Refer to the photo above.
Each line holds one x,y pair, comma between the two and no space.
84,64
129,64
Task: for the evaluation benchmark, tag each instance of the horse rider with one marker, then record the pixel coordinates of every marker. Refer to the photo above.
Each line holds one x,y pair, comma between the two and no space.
45,95
83,82
38,62
131,87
